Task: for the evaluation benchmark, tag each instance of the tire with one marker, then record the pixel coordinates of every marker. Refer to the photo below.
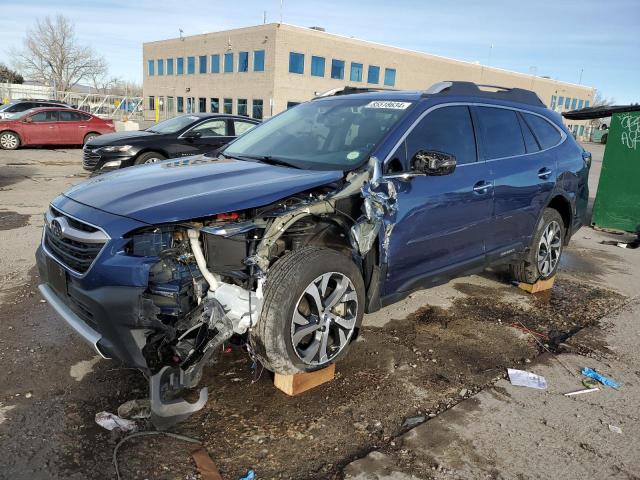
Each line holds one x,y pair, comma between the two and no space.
90,136
603,139
9,140
279,340
533,267
149,157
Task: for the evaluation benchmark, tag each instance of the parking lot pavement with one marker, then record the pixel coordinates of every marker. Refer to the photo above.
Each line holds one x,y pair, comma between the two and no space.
419,358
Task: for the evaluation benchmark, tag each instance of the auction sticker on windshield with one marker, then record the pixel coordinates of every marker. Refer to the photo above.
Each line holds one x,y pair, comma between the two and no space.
388,104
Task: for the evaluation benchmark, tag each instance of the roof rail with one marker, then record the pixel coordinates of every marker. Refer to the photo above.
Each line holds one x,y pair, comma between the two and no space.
519,95
347,90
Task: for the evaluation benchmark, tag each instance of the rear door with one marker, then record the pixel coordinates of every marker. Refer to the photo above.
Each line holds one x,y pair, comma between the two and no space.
42,128
523,175
241,126
442,221
72,128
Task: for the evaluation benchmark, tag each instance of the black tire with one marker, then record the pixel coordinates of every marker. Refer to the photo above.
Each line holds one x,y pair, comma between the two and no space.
284,290
90,136
149,157
528,270
603,139
9,140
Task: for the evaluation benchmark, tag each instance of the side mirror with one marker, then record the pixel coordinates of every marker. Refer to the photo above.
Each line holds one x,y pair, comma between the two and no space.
28,120
192,134
429,162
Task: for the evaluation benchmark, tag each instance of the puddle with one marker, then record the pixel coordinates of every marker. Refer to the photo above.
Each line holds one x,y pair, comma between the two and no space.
10,220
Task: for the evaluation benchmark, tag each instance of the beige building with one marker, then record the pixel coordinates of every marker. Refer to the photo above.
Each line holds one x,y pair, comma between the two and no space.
260,71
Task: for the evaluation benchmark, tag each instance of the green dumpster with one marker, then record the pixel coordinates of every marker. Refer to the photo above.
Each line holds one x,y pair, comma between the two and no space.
617,204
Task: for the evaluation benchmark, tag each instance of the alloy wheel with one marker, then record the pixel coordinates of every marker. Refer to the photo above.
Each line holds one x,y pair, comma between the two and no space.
549,249
8,141
324,318
151,160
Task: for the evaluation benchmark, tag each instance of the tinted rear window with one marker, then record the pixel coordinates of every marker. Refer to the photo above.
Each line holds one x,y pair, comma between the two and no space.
529,140
500,131
547,135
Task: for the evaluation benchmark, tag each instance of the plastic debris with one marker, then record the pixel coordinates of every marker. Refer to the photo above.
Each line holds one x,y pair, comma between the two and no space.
590,383
521,378
609,382
251,475
615,429
135,409
580,392
413,421
111,421
206,466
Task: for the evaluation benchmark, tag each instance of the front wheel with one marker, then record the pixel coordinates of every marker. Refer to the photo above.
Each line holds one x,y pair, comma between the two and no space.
149,157
313,303
90,136
543,257
9,140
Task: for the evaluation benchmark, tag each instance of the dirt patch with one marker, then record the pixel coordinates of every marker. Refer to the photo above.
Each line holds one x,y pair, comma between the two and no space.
415,366
10,220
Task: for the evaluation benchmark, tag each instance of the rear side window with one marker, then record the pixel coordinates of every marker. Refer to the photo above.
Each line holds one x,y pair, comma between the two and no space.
500,131
447,130
530,141
69,116
548,136
241,127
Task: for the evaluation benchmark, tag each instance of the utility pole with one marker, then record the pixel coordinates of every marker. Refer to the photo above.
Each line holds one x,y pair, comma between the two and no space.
580,78
281,7
264,17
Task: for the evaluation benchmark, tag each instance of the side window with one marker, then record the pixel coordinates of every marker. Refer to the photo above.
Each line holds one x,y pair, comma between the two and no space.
547,135
448,130
49,116
500,132
529,140
84,117
241,127
212,128
69,116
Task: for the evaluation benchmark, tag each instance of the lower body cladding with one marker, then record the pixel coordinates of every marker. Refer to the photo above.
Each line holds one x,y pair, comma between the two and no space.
291,281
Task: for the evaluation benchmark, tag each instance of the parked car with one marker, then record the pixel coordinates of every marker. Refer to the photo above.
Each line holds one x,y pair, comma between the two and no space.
9,109
177,137
51,126
329,210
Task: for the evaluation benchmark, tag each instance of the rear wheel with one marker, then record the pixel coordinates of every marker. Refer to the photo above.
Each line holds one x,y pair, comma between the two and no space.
149,157
314,300
543,257
9,140
90,136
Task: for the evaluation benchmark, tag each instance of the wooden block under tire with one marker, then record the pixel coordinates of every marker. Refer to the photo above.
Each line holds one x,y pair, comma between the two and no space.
301,382
539,286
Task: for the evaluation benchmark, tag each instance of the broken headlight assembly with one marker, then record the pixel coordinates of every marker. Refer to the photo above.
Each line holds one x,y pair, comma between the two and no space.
151,242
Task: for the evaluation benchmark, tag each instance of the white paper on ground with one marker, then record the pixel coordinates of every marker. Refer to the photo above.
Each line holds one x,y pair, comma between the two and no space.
521,378
110,422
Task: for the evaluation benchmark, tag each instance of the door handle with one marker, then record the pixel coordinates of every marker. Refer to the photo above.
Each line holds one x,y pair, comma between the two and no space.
544,173
82,126
482,187
50,126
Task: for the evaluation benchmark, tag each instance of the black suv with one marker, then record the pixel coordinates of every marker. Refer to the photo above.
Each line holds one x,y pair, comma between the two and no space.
8,109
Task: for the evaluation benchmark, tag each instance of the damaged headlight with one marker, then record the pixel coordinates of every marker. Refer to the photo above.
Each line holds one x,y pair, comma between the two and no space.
151,242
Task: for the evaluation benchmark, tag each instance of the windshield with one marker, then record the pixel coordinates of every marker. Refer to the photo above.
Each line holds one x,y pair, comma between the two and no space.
173,125
5,106
23,114
321,135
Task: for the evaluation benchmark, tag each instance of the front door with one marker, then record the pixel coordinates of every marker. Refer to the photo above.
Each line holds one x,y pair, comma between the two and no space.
441,221
212,134
42,128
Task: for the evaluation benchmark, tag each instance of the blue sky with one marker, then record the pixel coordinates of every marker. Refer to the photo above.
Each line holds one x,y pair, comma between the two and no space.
547,37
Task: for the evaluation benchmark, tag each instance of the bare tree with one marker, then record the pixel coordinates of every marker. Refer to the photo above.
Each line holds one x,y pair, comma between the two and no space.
9,76
600,100
52,54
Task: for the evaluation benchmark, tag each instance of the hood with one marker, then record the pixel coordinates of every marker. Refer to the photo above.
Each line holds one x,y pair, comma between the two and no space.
194,187
120,138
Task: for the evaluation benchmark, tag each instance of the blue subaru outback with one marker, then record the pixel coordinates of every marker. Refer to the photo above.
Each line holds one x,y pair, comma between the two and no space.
332,209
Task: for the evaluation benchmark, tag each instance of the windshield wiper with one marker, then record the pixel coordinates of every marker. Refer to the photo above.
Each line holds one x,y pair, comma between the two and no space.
264,159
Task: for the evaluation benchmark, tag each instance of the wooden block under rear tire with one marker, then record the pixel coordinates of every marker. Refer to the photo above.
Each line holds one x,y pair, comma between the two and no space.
301,382
539,286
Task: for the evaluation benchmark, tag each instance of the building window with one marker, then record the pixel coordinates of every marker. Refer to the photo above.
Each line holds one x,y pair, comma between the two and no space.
228,63
337,69
586,104
574,103
567,102
191,65
214,105
152,103
150,67
390,77
215,63
317,66
292,104
258,61
169,66
243,61
553,102
160,66
581,130
242,107
180,65
373,75
170,105
180,104
356,72
202,63
296,62
228,105
580,103
257,109
202,105
560,101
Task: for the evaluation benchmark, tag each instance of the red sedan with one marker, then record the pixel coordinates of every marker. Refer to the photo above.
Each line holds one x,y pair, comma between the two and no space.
51,126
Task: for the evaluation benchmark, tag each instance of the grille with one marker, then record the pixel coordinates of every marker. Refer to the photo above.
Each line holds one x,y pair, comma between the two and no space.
89,158
74,254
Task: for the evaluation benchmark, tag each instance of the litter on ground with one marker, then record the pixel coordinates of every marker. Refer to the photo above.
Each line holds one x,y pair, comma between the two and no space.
521,378
615,429
609,382
111,421
580,392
